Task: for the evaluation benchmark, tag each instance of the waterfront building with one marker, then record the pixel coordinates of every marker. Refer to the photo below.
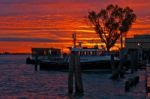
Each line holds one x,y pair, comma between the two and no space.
139,44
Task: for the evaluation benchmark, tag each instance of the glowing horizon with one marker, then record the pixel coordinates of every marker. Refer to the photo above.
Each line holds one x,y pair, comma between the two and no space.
48,23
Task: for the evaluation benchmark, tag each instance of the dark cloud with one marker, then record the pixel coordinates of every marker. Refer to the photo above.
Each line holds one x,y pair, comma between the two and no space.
5,39
49,1
27,1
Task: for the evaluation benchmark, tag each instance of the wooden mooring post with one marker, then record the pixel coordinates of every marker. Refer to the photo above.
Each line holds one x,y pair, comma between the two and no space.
114,71
75,74
36,63
112,64
120,70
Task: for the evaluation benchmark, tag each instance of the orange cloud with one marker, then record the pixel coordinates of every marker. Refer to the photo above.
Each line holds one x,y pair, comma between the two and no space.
57,21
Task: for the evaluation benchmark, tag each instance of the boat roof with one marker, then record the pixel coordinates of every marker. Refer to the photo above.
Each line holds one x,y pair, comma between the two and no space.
86,49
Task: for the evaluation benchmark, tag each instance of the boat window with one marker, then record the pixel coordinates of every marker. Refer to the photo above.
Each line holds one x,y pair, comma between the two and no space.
94,53
100,52
78,52
81,53
88,53
91,53
50,52
85,53
45,53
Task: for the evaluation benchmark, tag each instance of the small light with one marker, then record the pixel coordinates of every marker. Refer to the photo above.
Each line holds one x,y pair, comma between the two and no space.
50,51
139,44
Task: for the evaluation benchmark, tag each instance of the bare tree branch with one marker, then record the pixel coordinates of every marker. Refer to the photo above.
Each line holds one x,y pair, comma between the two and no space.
111,22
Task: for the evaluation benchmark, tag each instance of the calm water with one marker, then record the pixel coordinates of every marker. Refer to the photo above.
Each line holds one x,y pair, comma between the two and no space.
20,81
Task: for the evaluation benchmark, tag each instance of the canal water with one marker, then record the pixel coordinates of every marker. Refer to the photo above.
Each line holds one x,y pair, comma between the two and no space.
19,81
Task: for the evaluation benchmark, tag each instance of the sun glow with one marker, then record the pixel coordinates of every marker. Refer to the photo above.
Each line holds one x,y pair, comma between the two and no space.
42,24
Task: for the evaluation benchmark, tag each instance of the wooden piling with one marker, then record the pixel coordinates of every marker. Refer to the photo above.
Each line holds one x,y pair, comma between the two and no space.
131,82
70,77
75,72
78,78
36,63
114,71
112,64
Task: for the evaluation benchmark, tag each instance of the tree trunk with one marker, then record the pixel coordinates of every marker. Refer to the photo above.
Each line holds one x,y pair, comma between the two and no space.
108,48
121,41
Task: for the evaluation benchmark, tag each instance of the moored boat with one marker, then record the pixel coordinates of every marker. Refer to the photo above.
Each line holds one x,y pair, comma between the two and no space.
90,58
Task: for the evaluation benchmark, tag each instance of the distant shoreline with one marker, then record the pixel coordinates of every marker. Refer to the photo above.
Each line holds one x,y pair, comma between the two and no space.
15,53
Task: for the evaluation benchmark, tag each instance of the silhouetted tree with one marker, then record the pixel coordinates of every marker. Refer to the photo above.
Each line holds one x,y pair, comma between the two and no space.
111,23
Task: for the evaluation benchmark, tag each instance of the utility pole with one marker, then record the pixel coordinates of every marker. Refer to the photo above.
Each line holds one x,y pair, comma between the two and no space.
74,39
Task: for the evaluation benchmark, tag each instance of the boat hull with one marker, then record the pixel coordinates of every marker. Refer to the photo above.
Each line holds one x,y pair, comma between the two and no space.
84,65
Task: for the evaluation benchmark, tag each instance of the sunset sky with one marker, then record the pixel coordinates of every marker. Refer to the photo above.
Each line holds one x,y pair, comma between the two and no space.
49,23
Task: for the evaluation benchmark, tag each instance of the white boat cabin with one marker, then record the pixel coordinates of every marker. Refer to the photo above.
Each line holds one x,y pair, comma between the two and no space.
91,54
89,51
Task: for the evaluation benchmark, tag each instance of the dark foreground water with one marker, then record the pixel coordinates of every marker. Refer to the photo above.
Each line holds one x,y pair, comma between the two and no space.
20,81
